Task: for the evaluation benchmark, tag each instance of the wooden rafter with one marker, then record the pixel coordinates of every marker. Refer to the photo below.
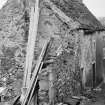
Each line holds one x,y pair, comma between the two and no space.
62,16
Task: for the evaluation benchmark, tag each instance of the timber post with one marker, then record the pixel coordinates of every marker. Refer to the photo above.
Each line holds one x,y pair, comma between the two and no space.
51,87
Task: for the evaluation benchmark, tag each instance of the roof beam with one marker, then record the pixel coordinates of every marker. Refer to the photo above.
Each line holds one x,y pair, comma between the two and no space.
63,17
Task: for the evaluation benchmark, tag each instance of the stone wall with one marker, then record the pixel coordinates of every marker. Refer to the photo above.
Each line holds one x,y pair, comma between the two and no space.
66,50
12,47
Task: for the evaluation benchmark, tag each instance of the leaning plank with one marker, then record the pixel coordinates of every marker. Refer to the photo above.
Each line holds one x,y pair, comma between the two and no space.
27,55
31,43
32,85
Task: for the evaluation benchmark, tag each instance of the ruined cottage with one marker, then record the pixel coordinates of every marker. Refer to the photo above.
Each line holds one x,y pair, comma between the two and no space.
78,45
76,50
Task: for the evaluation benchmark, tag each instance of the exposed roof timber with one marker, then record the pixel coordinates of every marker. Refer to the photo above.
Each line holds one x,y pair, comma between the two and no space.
63,17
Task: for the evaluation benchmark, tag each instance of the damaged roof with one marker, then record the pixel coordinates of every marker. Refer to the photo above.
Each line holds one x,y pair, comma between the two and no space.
79,12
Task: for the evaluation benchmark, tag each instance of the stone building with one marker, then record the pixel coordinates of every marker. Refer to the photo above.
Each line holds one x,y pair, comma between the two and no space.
77,48
77,45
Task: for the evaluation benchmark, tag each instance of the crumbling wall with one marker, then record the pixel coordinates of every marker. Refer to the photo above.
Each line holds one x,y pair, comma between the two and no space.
67,68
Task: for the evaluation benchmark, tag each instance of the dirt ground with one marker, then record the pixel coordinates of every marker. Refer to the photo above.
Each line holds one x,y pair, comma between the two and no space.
94,97
97,97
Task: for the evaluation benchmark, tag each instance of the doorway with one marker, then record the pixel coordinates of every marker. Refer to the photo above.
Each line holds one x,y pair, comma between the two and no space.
94,74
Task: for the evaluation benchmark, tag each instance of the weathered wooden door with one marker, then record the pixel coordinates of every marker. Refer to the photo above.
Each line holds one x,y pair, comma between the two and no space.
99,61
104,58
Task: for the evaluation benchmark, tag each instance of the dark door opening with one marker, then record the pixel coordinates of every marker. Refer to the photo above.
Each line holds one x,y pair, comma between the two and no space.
94,74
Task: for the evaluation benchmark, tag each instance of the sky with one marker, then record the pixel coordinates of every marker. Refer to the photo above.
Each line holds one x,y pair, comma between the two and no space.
97,7
2,2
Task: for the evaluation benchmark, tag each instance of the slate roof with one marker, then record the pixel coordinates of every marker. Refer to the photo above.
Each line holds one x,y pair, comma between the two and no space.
79,12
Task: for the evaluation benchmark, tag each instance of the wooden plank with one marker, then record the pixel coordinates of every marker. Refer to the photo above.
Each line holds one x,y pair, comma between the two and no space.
31,88
27,55
31,43
99,61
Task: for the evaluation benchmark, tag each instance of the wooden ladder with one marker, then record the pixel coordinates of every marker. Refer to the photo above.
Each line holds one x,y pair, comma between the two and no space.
40,62
33,82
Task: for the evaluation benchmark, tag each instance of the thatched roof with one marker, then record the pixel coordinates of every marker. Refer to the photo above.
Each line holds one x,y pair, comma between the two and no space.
79,12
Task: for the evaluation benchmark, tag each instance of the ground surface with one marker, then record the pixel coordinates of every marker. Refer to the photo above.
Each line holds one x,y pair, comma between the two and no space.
97,97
